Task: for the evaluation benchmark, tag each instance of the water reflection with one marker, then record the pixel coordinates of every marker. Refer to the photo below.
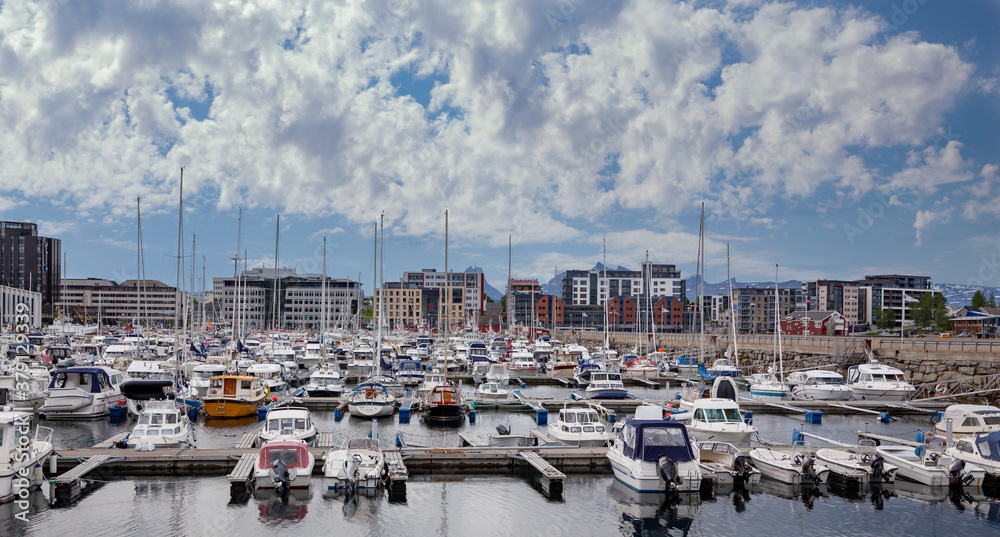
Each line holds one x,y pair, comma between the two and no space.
806,493
274,508
646,513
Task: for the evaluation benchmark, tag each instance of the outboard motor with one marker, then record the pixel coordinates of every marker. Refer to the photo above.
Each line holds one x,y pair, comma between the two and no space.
668,471
742,468
957,476
809,469
282,481
878,468
503,430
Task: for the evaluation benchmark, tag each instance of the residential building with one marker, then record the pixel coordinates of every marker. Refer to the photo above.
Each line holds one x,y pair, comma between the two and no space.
471,284
833,295
756,314
299,301
584,316
11,297
815,323
887,292
144,301
594,287
550,311
32,263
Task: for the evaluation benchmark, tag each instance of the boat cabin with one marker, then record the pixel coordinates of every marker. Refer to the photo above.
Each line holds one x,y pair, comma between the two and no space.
288,422
576,420
89,379
970,419
647,440
294,454
237,386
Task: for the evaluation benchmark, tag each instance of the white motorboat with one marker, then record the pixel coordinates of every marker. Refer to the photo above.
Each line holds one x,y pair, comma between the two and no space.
287,423
312,355
863,462
641,367
793,467
606,385
83,392
371,400
432,379
583,370
969,420
767,386
654,455
358,464
201,378
325,382
930,467
293,455
723,367
271,373
878,382
493,391
21,453
818,385
161,424
410,372
522,363
32,382
719,420
982,451
362,362
498,373
726,463
580,426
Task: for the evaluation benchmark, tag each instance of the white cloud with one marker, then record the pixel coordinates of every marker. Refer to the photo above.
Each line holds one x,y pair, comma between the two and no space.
924,221
522,135
933,167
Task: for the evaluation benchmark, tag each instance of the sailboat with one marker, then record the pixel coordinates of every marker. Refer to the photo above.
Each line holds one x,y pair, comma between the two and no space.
443,404
371,399
725,367
767,385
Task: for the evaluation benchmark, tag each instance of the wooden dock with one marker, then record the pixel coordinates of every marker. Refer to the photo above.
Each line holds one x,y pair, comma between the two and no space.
472,439
325,440
247,441
241,479
110,442
552,479
544,439
398,475
66,488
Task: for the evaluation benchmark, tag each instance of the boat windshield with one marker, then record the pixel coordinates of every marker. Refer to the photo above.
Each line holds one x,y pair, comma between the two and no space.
827,380
658,437
290,456
721,414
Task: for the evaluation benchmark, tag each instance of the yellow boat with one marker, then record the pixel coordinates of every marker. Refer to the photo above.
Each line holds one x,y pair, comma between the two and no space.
235,396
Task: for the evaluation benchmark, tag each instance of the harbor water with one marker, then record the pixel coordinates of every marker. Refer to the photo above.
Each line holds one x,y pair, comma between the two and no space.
502,504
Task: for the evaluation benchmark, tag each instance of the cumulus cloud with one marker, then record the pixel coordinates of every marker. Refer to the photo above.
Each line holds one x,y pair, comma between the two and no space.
925,220
527,117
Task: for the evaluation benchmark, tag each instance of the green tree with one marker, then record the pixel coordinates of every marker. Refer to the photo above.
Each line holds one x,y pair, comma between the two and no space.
978,300
885,319
992,302
941,316
922,312
489,300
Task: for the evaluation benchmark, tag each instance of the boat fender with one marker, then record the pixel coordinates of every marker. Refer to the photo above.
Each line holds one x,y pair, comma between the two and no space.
384,473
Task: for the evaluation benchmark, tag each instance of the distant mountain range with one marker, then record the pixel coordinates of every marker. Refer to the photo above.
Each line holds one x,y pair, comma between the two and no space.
957,294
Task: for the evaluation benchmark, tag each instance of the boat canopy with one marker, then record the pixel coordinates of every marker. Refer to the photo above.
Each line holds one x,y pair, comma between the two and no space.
648,439
145,390
92,379
295,454
410,365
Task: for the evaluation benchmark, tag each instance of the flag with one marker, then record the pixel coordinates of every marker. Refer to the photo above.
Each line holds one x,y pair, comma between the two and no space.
584,314
737,309
129,327
908,298
810,302
664,310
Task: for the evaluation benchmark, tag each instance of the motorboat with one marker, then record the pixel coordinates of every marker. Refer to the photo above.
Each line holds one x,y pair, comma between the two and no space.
432,379
161,424
371,400
818,385
969,420
444,405
234,396
83,392
271,373
498,373
767,386
878,382
982,451
493,391
563,364
606,385
279,456
719,420
654,455
287,423
927,466
583,371
504,438
21,453
579,426
726,463
863,461
313,354
793,467
201,378
479,366
410,372
362,362
359,464
325,382
723,367
641,367
522,363
32,381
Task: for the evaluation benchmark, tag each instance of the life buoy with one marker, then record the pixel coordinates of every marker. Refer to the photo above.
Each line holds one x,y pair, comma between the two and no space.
760,369
941,388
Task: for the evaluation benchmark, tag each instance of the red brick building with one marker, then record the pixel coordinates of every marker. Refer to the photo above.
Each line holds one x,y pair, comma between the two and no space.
814,323
549,308
668,310
621,310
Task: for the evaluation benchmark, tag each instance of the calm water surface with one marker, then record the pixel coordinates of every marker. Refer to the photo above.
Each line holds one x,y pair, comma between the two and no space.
501,504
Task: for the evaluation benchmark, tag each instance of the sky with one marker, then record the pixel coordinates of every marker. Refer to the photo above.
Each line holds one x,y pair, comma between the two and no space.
834,139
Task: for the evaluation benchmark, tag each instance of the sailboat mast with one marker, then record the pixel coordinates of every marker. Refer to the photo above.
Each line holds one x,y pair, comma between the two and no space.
607,291
447,292
700,287
777,324
274,299
377,296
236,269
322,323
510,306
732,311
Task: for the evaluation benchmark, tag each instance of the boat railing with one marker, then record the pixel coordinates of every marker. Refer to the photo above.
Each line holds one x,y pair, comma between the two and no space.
41,430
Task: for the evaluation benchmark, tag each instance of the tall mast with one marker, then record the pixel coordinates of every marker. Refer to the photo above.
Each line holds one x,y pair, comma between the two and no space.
138,257
178,296
322,323
236,270
607,295
777,325
381,295
732,311
701,285
447,295
377,296
274,300
510,294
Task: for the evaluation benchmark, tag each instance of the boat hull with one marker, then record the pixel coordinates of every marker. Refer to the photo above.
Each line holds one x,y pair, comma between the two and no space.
820,394
878,394
644,477
325,392
231,408
444,414
371,409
